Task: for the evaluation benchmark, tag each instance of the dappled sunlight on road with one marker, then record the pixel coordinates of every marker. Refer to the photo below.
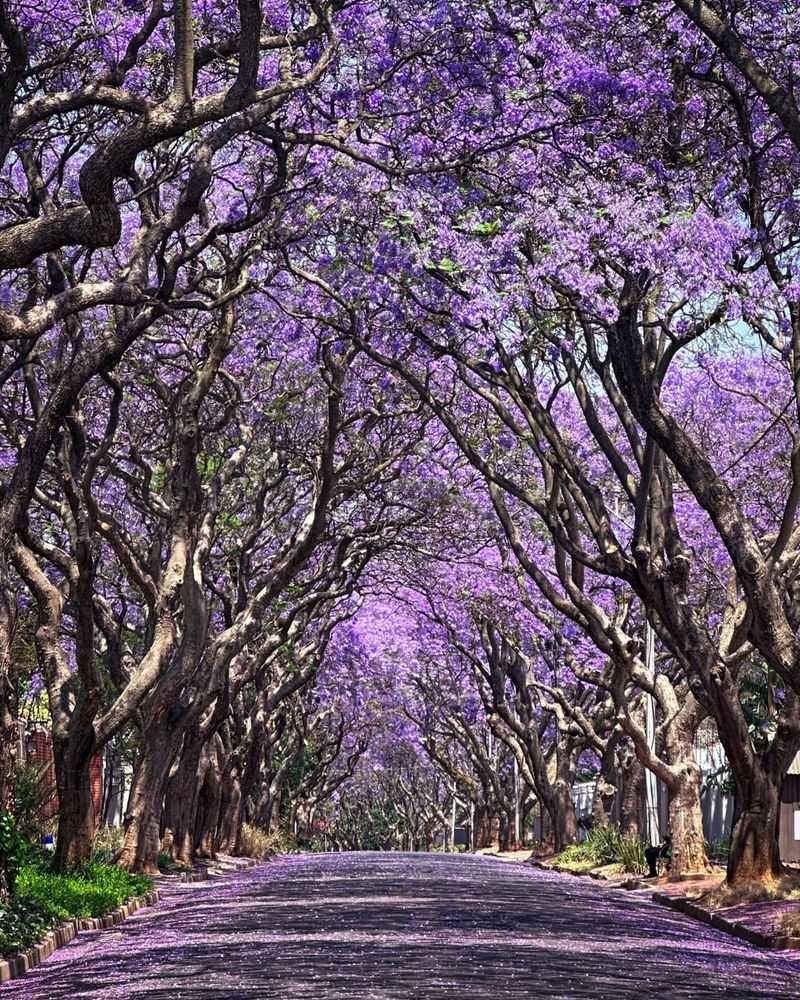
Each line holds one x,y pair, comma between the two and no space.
433,927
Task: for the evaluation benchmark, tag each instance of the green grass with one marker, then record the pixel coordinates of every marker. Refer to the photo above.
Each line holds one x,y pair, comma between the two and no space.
604,846
167,864
575,860
90,891
44,898
631,855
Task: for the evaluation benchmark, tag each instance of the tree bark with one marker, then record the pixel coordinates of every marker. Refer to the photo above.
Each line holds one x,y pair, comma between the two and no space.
141,838
9,732
686,822
208,804
230,811
561,812
77,820
487,828
755,852
274,815
605,788
114,785
183,790
632,805
565,822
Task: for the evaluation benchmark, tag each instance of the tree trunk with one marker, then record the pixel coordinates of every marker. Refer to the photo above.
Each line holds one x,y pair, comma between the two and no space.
230,811
602,802
506,831
9,732
208,805
141,839
632,804
114,786
562,815
274,820
605,788
77,821
755,853
682,715
686,823
183,790
9,738
487,829
262,814
252,770
478,826
545,824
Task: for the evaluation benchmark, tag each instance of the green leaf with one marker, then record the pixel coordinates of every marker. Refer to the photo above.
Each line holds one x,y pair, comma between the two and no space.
487,229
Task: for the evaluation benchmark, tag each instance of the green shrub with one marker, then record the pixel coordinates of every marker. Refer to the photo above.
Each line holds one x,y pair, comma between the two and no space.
601,847
719,849
166,863
14,851
254,842
45,897
107,842
22,924
604,843
33,793
631,855
257,843
89,891
579,857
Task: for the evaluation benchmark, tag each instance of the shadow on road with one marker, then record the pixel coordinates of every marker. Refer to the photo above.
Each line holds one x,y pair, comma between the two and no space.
417,927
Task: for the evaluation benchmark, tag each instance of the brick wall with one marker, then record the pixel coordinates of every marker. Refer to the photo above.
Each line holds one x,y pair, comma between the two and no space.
97,783
38,745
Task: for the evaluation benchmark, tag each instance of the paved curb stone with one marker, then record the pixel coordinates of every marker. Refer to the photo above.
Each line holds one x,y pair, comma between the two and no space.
17,965
775,942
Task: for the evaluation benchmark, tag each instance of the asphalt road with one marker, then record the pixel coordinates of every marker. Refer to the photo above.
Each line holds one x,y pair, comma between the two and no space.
427,927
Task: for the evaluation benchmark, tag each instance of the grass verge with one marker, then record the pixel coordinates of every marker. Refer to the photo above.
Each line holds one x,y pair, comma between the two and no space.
607,849
45,897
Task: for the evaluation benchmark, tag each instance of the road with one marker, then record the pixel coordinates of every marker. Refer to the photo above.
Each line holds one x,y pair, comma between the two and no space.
427,927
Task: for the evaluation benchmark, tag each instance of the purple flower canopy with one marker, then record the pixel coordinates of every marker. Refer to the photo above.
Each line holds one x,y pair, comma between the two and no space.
398,401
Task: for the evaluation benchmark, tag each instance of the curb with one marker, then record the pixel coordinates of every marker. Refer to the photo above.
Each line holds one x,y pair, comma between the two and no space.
202,873
587,874
775,942
229,867
17,965
189,877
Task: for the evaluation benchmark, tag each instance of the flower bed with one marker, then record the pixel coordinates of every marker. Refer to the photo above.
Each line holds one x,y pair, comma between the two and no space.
45,897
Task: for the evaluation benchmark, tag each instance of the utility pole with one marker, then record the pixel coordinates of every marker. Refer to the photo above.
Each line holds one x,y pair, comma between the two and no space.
453,820
651,782
517,816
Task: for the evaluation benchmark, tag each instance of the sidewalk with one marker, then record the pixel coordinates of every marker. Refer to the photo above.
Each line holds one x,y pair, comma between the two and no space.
759,923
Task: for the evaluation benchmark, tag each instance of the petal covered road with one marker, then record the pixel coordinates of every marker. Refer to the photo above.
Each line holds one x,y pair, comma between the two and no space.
432,927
